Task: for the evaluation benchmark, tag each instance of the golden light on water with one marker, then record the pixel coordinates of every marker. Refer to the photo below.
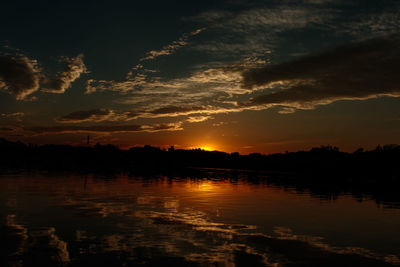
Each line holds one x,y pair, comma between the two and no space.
203,188
206,186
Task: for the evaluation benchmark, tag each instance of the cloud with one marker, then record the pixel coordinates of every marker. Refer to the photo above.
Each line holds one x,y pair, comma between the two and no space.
221,79
204,90
245,29
12,115
22,76
62,80
356,71
174,111
19,75
163,127
99,114
135,79
11,122
104,128
95,115
378,23
129,84
173,47
102,114
177,110
198,119
251,31
278,19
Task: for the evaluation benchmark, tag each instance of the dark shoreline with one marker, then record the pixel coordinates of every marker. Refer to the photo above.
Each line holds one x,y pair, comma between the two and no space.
325,171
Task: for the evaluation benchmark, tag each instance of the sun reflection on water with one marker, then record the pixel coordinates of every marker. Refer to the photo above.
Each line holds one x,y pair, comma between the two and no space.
206,186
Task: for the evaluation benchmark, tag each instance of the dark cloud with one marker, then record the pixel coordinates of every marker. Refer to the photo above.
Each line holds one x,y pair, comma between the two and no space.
102,114
164,127
361,70
62,81
19,75
179,110
103,128
99,114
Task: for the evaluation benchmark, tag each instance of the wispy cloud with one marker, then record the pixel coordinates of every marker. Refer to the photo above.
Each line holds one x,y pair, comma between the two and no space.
129,84
353,19
176,110
102,114
198,119
253,31
264,26
207,88
173,47
94,115
278,19
12,115
103,128
360,70
376,24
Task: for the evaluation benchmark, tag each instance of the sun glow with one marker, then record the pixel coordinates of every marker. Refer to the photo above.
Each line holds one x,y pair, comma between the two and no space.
206,186
207,148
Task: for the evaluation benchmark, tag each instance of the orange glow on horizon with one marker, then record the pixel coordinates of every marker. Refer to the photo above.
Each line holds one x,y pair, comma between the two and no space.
208,148
204,147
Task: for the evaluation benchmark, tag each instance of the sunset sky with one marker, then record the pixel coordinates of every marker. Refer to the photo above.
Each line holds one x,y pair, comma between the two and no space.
235,75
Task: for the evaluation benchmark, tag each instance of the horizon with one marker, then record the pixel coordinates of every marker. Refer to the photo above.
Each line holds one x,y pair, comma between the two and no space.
211,149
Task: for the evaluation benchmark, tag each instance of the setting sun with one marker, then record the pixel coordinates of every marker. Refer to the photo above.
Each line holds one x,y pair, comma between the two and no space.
204,147
207,148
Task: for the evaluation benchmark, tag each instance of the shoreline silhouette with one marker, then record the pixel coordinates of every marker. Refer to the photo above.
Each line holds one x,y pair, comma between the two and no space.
329,160
323,169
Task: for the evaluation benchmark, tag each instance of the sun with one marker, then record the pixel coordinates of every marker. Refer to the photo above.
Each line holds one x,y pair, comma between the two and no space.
204,147
207,148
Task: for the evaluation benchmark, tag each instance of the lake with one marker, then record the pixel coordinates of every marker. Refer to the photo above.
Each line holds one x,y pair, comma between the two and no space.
121,220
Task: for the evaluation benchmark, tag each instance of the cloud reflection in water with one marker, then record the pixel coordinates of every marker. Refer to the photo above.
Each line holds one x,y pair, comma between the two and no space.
156,222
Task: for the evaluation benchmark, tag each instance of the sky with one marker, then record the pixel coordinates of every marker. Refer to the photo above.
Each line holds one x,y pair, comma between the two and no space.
247,76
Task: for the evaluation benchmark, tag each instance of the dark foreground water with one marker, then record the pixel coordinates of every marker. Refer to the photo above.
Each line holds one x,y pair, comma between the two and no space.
64,220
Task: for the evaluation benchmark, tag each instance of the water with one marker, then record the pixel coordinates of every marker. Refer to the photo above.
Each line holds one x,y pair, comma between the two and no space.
80,220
